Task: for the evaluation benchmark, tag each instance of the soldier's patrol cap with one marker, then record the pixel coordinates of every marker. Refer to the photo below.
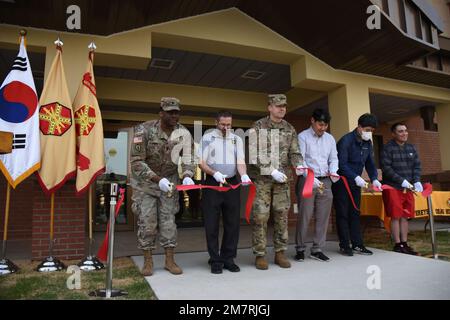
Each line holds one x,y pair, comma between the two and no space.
277,99
170,103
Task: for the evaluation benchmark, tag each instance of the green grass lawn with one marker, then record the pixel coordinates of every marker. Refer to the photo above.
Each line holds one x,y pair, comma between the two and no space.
30,284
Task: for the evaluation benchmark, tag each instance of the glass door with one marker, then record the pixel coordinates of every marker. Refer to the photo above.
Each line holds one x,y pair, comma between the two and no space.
117,168
190,214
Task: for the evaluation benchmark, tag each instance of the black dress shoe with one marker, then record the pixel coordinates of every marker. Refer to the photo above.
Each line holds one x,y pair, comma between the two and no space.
216,267
362,250
231,266
211,261
346,251
300,256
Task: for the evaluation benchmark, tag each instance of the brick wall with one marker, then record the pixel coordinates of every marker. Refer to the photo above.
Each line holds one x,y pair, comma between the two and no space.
69,224
20,210
426,142
29,219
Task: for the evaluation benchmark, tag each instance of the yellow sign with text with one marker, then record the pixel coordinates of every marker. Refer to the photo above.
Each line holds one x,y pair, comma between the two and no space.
372,205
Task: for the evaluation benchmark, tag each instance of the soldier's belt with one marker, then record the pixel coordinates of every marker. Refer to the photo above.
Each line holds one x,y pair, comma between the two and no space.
248,204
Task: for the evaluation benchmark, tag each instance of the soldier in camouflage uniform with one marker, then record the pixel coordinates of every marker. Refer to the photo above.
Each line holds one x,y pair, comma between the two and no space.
155,154
275,150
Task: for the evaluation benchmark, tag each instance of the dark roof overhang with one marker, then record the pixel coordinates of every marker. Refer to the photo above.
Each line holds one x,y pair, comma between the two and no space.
334,31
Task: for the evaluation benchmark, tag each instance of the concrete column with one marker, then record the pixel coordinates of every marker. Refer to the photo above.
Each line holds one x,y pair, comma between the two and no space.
443,118
346,104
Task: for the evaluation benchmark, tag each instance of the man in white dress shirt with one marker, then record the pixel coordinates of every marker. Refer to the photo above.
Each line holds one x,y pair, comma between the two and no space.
319,153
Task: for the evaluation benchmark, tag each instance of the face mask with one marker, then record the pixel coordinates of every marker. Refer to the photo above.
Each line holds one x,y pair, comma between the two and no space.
366,136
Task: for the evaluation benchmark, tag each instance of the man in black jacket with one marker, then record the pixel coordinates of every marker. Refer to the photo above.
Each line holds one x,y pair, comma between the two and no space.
355,153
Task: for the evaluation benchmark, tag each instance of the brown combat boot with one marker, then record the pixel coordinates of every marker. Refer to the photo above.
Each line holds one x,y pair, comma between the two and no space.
281,260
261,263
147,270
171,266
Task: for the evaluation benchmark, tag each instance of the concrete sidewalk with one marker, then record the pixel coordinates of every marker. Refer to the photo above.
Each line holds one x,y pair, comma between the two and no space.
402,277
193,239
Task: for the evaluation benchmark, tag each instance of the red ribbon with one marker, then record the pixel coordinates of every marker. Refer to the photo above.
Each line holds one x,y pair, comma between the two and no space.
102,253
249,204
427,189
309,184
344,180
251,194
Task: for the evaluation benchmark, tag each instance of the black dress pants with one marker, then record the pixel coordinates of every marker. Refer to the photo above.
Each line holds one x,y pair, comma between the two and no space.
347,217
214,205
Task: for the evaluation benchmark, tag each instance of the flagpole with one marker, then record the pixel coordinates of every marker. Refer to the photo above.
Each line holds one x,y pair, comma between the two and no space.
7,266
5,227
23,34
90,262
52,215
90,220
50,263
91,47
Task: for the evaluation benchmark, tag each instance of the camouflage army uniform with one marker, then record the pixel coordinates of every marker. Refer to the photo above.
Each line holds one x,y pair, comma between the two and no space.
269,193
151,155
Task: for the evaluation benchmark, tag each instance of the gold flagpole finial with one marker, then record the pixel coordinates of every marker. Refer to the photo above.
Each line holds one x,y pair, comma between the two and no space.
23,34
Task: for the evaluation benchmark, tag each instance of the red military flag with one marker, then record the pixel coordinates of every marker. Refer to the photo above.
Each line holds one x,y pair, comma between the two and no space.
57,130
89,130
